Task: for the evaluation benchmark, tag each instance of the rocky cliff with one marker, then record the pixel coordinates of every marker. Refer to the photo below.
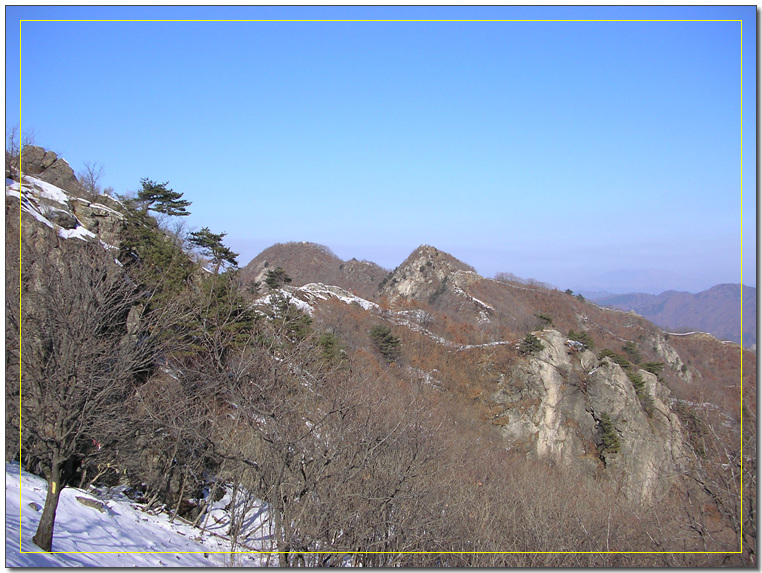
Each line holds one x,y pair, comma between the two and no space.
553,404
46,165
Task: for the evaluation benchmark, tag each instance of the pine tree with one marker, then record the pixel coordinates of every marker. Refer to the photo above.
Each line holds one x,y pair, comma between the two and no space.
210,245
610,437
219,320
530,344
386,343
276,278
156,197
163,266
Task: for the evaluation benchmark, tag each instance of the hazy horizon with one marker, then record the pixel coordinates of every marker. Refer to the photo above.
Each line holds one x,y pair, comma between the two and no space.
559,151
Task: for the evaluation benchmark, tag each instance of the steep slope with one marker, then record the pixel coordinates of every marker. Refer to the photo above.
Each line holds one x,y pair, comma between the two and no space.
515,369
107,528
437,279
562,400
309,262
550,404
716,310
46,165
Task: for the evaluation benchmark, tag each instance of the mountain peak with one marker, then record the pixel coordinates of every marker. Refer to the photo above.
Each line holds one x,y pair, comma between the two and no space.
307,262
423,273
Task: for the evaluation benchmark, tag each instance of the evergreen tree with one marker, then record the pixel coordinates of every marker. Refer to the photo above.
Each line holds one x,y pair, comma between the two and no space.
276,278
331,349
210,245
219,320
386,343
583,338
164,267
156,197
610,437
530,344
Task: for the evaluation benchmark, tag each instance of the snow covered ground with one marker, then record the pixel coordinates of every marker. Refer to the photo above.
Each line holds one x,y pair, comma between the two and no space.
123,535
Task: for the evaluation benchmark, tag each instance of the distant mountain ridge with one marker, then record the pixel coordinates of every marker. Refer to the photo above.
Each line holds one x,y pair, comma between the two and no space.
429,274
716,310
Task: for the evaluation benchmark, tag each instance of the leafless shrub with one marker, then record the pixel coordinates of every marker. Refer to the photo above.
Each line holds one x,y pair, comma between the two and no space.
89,178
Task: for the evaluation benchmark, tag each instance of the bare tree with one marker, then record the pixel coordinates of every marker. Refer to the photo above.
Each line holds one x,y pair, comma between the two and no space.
89,177
15,141
82,344
720,508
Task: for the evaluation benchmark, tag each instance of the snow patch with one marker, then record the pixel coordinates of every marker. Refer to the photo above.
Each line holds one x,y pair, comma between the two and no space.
321,291
297,302
76,233
125,534
47,190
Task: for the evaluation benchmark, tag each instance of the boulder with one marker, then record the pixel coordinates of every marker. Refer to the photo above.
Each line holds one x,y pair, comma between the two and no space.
63,219
49,167
60,174
94,503
101,219
31,159
48,159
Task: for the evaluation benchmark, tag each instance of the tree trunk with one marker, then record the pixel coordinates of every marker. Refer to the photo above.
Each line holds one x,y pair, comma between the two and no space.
179,499
44,536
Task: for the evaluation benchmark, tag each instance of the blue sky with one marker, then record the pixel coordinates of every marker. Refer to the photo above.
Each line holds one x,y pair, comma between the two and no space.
569,152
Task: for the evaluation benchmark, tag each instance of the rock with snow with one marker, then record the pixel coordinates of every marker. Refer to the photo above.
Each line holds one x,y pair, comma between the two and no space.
71,216
63,219
49,167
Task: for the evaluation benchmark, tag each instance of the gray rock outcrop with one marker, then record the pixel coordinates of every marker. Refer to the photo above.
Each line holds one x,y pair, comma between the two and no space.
552,404
99,218
49,167
425,274
68,212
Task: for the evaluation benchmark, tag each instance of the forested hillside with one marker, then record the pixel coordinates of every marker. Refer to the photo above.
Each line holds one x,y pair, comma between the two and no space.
426,416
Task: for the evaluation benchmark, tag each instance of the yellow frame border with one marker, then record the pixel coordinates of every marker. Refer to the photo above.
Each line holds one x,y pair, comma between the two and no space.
740,540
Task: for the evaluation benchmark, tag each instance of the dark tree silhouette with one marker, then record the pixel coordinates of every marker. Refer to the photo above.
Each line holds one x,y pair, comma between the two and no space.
210,245
156,197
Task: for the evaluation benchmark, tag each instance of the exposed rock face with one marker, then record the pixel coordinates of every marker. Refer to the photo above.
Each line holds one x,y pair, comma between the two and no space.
70,215
49,167
99,218
31,160
553,402
424,274
651,447
670,357
63,219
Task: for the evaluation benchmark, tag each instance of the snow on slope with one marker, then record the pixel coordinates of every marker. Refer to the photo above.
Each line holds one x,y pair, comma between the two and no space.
29,194
122,536
313,292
